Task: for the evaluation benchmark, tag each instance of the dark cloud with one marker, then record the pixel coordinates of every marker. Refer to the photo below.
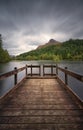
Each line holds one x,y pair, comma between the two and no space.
29,23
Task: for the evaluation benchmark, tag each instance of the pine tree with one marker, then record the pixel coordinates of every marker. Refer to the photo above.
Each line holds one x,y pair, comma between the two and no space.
0,41
4,56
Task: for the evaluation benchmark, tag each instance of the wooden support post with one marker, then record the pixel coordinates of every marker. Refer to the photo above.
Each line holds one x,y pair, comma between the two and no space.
56,69
31,70
15,76
41,67
26,70
43,71
66,77
39,70
52,70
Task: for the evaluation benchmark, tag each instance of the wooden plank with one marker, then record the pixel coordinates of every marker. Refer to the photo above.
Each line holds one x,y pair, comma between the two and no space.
40,103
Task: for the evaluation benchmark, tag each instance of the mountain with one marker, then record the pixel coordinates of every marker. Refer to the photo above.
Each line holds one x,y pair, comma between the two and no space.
68,50
50,42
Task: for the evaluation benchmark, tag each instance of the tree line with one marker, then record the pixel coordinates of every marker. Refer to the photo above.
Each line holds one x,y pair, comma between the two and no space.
4,55
68,50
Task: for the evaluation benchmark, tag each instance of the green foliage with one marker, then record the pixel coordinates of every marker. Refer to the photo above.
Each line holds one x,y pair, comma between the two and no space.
0,41
4,56
69,50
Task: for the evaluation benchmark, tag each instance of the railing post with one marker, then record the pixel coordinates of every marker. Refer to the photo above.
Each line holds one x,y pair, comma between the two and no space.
43,70
56,69
31,70
15,76
66,77
26,70
39,70
52,70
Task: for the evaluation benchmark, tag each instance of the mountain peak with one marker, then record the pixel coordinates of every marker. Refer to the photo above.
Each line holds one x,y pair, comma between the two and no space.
50,42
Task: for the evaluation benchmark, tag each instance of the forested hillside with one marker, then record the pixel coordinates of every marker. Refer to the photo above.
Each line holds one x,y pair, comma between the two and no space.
69,50
4,56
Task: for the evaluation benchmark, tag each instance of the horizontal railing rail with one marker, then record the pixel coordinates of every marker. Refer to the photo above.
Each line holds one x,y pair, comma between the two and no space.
73,74
70,73
33,66
14,72
49,66
8,74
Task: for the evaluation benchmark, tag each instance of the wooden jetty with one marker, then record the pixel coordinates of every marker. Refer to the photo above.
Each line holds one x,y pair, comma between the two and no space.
41,101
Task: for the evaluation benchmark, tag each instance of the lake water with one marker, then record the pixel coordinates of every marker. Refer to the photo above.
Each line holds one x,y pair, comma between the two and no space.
7,84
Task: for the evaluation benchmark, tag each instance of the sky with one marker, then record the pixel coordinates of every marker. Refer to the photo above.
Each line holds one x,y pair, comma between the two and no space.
26,24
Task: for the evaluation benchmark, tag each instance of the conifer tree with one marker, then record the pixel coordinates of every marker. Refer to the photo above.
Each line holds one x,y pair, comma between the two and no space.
0,41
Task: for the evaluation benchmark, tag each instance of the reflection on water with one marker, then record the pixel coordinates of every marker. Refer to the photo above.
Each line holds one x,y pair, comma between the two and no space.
7,84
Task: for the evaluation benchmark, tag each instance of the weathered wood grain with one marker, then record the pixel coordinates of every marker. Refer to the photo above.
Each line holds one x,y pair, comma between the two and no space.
40,104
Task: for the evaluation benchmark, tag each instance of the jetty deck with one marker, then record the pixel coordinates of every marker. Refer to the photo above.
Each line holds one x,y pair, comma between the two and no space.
41,103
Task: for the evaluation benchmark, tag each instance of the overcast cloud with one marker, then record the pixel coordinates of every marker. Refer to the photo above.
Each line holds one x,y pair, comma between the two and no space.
25,24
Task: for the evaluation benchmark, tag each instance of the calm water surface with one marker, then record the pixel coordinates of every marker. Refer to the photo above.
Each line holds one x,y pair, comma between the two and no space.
7,84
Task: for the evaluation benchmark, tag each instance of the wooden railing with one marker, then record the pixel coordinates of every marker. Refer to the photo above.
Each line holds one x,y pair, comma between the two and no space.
51,67
70,73
41,70
65,82
31,73
14,72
